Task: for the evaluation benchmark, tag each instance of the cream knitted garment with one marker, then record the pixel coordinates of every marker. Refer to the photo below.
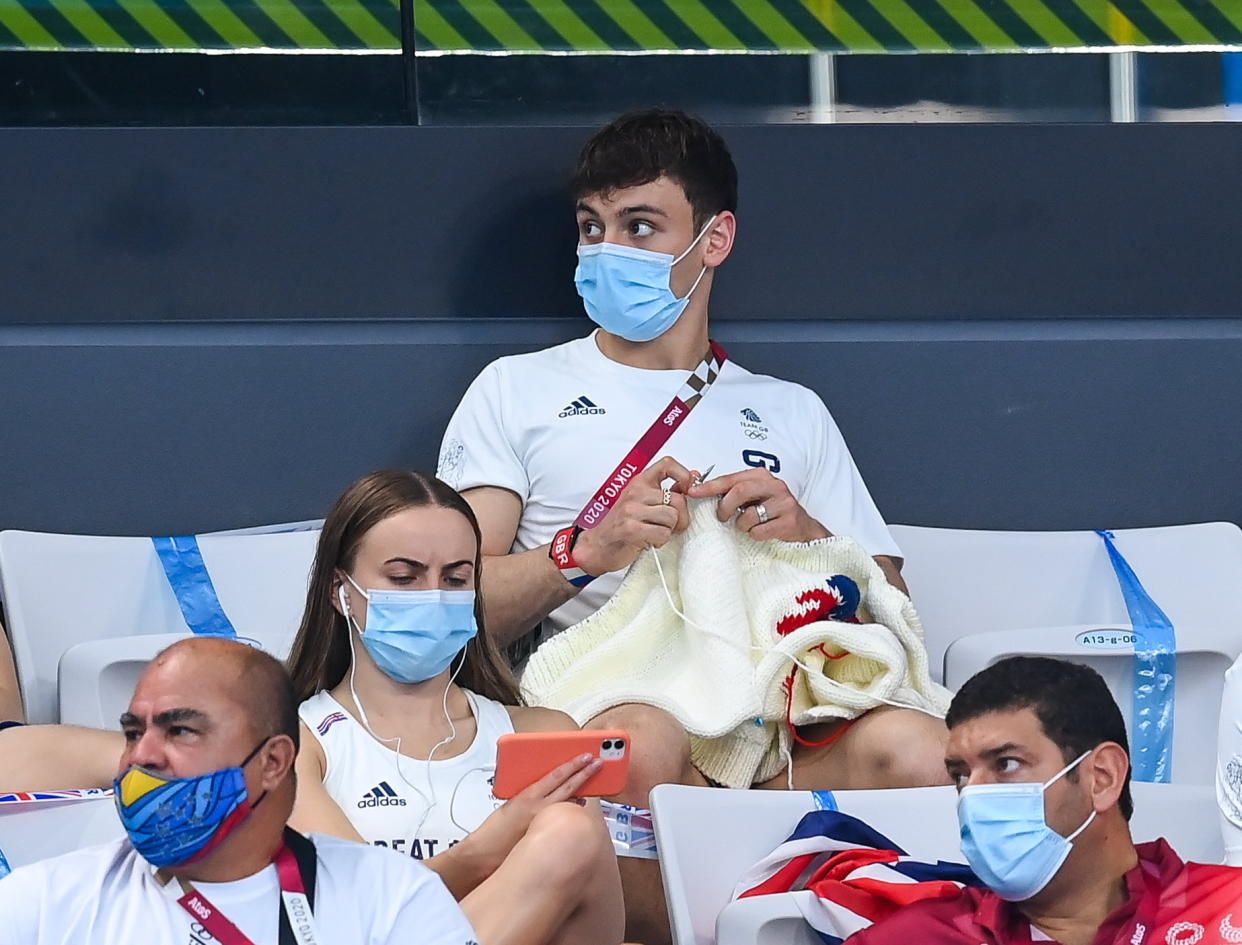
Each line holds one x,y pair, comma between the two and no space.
722,674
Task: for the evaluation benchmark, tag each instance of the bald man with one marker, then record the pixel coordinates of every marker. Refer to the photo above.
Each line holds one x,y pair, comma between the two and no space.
204,788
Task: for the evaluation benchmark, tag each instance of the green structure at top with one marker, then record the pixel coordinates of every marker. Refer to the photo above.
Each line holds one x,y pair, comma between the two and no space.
602,26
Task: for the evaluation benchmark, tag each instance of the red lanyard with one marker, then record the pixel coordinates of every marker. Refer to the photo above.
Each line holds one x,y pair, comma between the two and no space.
293,899
664,426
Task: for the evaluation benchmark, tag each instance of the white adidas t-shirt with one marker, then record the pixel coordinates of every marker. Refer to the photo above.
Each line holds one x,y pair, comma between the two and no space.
551,425
108,894
386,795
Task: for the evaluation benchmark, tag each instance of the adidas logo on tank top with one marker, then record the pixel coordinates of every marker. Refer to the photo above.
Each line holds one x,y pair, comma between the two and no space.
580,407
382,795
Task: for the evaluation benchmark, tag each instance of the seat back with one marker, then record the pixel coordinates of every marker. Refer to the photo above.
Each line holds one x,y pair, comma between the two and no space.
64,590
35,831
96,679
965,582
1183,814
1203,656
708,837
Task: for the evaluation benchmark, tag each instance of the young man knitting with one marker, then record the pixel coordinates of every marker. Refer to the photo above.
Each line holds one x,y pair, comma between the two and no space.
550,450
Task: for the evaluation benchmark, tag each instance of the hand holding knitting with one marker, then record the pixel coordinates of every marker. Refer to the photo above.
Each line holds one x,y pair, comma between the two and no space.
504,827
646,515
764,506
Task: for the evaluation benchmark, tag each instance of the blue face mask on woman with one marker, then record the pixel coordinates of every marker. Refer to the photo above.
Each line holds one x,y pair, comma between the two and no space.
627,291
413,636
1006,839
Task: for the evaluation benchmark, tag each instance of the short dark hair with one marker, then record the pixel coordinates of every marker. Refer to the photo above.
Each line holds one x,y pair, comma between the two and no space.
642,146
269,690
1071,701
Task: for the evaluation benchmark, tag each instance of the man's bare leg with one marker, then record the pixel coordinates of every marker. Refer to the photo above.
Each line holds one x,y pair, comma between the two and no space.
659,754
886,748
558,886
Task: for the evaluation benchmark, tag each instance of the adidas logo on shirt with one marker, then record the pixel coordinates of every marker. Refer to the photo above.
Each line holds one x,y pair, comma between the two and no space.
382,795
580,407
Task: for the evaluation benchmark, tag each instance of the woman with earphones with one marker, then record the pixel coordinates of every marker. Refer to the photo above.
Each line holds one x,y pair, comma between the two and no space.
404,698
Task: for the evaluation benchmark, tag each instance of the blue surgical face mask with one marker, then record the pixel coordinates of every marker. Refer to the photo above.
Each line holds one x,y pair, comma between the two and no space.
627,290
1006,839
171,821
413,635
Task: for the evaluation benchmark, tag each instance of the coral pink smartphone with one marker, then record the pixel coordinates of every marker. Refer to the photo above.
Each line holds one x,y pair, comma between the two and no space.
525,757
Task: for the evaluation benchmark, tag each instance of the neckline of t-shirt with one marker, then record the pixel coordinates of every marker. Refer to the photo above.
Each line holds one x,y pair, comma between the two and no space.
257,882
474,749
590,345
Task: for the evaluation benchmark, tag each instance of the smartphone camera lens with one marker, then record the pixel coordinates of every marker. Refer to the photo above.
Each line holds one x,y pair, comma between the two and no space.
608,744
620,743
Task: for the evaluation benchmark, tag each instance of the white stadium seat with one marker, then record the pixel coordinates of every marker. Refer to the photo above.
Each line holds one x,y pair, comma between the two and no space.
1203,656
95,680
67,591
964,582
36,831
708,837
306,525
984,595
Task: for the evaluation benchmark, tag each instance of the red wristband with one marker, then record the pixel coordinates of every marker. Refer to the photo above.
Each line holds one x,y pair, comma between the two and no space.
561,551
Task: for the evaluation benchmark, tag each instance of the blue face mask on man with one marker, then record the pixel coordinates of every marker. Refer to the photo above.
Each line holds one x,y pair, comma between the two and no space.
171,821
413,636
1006,839
627,291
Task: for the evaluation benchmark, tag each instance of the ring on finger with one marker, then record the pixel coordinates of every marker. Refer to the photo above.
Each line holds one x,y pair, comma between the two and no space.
667,498
761,512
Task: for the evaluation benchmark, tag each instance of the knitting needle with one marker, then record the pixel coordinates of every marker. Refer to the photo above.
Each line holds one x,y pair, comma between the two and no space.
703,475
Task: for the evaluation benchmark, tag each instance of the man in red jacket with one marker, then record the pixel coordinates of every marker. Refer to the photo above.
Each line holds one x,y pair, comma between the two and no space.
1038,750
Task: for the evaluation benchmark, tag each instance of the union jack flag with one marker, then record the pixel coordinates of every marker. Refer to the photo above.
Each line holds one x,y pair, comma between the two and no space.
330,720
39,797
859,876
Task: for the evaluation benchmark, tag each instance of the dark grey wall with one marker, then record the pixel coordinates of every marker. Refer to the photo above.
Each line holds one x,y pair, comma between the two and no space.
1015,326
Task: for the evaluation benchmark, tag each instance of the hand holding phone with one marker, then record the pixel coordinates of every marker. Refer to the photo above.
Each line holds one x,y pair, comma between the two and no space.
524,758
504,827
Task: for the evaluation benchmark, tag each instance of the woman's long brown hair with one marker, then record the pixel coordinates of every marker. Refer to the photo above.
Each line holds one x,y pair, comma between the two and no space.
320,655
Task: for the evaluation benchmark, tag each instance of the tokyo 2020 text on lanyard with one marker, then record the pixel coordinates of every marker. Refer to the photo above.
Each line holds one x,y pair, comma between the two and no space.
649,444
296,873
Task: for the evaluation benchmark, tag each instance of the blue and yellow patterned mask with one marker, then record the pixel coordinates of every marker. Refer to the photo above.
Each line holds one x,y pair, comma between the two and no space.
171,821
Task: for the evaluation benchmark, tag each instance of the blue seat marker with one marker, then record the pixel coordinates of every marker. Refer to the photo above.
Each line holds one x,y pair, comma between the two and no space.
825,800
1155,666
196,595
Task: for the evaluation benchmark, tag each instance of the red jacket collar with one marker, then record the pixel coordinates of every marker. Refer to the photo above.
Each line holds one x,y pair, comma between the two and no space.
1157,867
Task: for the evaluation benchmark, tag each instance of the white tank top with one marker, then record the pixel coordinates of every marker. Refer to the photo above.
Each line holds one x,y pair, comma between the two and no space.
383,801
